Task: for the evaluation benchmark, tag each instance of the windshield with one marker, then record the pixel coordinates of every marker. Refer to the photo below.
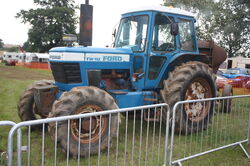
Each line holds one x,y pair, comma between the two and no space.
132,33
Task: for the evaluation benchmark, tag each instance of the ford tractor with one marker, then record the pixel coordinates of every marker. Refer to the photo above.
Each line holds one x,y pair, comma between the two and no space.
155,58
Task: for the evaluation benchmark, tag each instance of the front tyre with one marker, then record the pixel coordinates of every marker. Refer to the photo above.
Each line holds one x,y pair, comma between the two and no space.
92,132
190,81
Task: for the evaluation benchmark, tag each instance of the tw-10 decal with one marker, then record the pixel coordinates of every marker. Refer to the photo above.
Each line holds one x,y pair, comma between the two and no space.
89,57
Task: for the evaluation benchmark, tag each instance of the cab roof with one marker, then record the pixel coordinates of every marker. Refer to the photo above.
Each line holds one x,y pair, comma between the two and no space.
162,9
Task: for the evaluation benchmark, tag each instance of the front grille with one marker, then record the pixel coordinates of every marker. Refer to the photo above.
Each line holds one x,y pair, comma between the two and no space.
66,72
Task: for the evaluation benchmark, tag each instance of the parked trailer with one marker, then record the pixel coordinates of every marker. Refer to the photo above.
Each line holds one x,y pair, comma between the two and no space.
31,57
36,57
11,58
22,57
34,60
43,58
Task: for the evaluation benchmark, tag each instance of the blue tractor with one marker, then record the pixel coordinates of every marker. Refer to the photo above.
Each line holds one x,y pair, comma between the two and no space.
156,58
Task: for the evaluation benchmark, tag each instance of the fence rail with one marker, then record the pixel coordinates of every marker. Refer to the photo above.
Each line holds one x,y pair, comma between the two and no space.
123,137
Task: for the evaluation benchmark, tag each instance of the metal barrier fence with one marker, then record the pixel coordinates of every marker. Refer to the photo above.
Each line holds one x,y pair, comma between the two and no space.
131,142
226,123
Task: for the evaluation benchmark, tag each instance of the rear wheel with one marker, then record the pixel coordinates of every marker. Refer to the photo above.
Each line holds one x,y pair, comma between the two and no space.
91,132
190,81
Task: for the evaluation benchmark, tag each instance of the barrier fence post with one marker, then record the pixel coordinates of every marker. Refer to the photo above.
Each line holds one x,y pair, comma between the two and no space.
19,135
248,136
19,147
166,139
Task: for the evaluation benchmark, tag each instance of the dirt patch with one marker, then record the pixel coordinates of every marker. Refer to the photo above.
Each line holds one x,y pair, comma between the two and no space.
19,73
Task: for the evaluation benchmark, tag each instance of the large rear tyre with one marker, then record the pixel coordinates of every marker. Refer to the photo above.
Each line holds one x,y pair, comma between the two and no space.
92,132
26,106
190,81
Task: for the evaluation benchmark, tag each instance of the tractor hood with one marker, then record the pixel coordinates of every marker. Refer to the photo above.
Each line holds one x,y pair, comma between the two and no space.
90,54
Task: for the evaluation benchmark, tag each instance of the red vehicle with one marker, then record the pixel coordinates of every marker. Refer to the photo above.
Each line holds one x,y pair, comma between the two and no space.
221,81
237,77
238,82
247,85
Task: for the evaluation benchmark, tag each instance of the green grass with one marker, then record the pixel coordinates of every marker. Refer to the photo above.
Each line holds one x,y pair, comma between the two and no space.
11,88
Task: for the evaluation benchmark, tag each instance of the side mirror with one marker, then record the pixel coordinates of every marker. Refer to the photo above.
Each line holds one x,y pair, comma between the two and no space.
174,29
114,33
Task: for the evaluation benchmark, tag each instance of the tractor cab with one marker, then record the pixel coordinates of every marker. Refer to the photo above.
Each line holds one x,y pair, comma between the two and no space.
156,37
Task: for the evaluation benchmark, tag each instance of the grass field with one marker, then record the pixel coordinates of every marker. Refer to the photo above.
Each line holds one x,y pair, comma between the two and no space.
13,81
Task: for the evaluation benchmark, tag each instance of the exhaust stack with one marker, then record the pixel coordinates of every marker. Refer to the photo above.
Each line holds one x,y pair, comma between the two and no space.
86,19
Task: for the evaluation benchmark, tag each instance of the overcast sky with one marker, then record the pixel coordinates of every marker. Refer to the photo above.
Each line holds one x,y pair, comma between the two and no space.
106,15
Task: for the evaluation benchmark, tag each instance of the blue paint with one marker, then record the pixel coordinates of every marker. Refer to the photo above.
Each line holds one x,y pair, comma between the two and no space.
133,99
81,49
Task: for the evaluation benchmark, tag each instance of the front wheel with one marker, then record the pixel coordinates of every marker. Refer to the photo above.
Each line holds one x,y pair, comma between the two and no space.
190,81
86,132
27,109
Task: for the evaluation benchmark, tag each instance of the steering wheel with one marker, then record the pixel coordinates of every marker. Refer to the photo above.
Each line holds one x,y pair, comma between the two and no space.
165,47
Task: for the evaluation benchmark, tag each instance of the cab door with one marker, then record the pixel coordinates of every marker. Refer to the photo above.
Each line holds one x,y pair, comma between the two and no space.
162,47
133,33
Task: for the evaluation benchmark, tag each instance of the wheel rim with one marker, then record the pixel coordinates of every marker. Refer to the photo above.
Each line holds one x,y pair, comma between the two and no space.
89,131
198,89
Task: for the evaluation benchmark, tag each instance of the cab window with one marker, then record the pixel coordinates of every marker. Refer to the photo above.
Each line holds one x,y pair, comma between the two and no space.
187,40
163,41
133,33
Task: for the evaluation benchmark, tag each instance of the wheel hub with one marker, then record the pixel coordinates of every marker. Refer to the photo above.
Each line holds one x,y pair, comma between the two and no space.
86,124
198,89
90,127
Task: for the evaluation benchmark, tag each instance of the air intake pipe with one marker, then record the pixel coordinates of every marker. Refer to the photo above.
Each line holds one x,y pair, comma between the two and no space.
86,19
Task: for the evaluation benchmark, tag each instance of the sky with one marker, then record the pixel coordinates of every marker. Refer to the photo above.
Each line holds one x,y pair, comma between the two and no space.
106,16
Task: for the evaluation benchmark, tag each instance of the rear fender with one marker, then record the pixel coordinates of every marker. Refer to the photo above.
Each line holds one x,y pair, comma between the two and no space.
183,58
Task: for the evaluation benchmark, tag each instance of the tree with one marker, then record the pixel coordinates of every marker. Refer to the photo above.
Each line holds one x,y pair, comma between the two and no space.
12,49
234,25
225,21
48,23
1,43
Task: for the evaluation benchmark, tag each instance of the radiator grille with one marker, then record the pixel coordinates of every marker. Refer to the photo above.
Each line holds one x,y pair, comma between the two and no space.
66,72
